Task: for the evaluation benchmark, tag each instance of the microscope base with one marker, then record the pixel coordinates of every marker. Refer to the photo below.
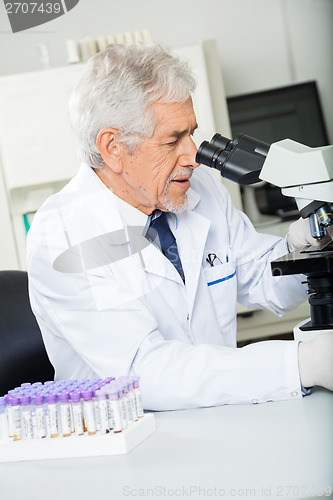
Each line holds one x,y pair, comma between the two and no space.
307,335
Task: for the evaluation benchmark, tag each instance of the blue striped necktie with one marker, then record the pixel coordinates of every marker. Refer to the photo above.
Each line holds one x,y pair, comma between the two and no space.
166,241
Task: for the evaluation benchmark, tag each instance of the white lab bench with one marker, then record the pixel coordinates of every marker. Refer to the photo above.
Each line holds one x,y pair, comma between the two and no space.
275,450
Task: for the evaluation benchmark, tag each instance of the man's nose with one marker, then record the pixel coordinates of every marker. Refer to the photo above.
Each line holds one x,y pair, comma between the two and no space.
189,154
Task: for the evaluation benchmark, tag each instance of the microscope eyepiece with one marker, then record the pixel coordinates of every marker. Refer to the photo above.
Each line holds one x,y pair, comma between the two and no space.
221,142
209,153
240,160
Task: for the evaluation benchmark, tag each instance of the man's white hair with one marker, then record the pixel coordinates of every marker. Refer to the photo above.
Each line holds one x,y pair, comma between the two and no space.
116,90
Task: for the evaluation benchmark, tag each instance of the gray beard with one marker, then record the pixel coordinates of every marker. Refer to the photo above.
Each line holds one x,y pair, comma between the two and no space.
170,205
173,207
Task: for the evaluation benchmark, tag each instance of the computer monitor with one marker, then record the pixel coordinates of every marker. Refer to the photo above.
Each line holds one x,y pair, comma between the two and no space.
292,112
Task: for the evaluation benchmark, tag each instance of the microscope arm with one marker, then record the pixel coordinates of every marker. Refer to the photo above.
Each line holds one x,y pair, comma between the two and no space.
305,174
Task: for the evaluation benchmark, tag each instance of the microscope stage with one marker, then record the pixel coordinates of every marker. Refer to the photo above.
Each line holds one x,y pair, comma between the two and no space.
305,262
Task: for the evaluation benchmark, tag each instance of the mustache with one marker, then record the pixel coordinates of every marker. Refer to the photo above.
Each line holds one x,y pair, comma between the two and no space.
185,172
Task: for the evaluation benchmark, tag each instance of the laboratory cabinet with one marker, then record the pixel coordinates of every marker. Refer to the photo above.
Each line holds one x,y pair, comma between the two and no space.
37,151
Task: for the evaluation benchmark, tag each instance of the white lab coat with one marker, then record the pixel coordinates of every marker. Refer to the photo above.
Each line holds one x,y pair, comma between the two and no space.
131,312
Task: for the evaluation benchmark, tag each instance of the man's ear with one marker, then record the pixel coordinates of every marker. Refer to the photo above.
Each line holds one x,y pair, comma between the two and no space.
110,148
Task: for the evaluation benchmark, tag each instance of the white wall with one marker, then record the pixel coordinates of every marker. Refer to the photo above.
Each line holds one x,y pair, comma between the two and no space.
262,43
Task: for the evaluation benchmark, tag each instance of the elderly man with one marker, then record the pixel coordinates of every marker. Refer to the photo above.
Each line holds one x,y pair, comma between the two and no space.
137,264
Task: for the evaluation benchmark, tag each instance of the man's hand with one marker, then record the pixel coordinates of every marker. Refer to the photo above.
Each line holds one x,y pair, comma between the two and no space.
299,235
316,361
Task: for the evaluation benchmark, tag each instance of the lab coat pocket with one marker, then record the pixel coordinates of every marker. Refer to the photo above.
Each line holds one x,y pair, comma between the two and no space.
222,286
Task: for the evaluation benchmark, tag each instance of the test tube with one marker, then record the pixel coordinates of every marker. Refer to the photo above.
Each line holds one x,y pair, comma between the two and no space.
4,431
128,402
97,411
26,385
49,383
104,391
52,418
16,416
77,413
114,402
123,407
132,398
108,380
38,415
96,381
138,398
102,43
9,413
37,384
88,411
65,414
26,418
103,412
110,39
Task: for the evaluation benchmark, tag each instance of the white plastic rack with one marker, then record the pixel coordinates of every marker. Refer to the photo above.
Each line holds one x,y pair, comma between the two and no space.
79,446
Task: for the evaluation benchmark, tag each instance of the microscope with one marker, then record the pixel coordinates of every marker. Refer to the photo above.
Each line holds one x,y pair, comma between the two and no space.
307,175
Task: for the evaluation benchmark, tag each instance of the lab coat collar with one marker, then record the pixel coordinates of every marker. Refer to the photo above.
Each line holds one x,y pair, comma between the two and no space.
189,228
193,199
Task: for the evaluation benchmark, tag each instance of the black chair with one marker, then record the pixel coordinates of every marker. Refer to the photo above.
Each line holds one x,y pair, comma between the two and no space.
23,356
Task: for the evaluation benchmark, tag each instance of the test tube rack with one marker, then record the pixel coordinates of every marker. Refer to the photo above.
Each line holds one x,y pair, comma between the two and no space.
79,446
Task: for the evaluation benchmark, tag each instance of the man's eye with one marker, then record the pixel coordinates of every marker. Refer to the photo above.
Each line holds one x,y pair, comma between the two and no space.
173,143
